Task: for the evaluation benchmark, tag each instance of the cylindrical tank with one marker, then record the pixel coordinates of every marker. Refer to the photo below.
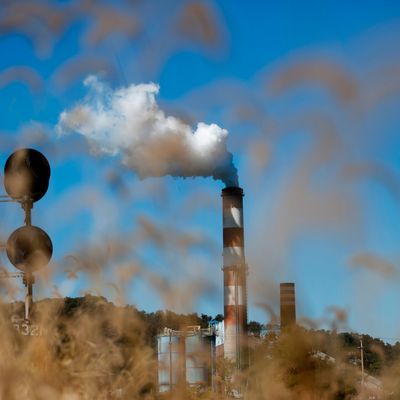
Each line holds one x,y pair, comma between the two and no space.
235,277
185,358
198,359
288,304
170,359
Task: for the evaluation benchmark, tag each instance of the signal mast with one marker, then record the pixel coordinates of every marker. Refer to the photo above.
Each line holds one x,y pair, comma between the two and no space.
29,248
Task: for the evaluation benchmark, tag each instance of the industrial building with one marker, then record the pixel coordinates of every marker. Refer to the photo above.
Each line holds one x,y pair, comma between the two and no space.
188,357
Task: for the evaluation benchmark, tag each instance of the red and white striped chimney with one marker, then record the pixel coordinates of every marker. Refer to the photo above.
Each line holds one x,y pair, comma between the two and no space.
235,276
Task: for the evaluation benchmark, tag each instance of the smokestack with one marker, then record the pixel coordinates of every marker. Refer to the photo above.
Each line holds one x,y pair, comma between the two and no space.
235,274
288,305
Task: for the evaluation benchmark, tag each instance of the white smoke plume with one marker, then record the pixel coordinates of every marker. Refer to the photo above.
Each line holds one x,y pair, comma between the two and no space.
129,122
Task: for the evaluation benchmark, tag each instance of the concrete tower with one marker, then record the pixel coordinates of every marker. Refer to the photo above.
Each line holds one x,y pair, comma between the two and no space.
288,305
235,277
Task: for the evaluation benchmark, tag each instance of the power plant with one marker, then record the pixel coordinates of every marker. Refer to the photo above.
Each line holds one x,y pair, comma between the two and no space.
175,365
189,356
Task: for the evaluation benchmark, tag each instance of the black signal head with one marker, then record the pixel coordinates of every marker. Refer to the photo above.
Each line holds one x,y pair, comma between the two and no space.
26,175
29,248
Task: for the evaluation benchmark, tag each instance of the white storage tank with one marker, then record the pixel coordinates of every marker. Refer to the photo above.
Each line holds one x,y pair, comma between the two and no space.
170,371
185,357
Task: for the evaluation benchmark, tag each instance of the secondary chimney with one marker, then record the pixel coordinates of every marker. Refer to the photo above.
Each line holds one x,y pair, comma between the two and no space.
288,305
235,276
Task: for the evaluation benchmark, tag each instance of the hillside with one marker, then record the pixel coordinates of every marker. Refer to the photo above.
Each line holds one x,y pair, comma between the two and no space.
88,345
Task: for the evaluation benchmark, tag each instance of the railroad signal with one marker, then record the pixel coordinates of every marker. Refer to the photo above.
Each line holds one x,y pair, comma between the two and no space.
29,248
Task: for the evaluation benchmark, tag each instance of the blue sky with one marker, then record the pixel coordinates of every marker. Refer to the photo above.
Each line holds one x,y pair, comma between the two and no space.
309,94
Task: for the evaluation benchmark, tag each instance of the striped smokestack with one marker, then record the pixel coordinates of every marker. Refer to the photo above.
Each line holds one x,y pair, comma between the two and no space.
288,305
235,271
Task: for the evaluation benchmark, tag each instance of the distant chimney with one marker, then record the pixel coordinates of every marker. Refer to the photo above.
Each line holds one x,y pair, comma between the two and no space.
235,277
288,305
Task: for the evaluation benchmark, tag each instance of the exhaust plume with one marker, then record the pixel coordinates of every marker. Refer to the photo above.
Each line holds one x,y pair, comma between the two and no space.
128,122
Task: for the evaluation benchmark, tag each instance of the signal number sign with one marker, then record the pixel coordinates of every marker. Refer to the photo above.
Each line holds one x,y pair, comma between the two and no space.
24,328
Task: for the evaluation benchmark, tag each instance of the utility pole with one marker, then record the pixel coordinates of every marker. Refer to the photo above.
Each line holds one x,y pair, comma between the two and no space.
362,363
